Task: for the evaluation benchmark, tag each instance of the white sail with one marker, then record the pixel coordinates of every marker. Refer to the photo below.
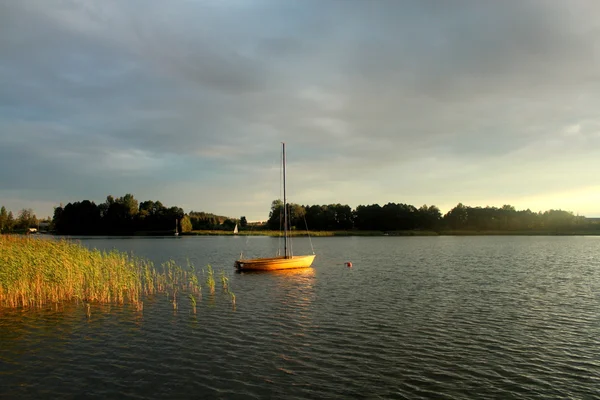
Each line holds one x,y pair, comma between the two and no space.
235,230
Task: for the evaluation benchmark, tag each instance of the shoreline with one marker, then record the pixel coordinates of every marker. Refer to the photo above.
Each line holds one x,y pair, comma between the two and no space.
396,233
341,233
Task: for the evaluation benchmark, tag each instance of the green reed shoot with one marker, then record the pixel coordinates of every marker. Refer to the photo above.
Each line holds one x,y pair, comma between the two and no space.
232,296
224,280
194,284
193,301
210,279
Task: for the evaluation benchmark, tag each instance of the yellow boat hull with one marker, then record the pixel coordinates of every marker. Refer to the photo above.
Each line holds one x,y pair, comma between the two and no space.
274,263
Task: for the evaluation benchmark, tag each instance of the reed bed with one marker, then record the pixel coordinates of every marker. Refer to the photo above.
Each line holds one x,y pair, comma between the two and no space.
37,272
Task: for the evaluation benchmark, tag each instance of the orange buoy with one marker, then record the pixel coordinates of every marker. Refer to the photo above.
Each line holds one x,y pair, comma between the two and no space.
348,264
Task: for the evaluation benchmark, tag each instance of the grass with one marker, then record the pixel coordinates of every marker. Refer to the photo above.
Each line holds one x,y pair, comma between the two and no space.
36,272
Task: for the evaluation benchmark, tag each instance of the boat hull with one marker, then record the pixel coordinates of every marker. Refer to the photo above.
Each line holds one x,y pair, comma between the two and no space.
274,263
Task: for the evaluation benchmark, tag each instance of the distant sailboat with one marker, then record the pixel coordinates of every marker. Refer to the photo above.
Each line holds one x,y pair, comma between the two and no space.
235,230
176,230
288,260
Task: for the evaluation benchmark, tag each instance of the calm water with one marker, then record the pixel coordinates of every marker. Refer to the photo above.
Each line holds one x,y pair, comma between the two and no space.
425,317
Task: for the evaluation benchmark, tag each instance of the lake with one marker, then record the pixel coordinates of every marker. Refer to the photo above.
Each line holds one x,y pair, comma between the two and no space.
416,317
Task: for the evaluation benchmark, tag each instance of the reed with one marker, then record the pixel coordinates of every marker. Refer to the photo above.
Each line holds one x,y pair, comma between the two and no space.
35,272
210,279
194,283
224,281
193,302
232,296
38,272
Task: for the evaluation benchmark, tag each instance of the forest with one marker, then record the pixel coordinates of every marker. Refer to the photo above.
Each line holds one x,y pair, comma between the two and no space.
125,215
116,216
406,217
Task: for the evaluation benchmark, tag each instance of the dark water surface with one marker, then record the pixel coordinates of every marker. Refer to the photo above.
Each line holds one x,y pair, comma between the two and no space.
422,317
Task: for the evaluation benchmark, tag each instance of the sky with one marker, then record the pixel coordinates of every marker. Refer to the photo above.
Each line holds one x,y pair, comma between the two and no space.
482,102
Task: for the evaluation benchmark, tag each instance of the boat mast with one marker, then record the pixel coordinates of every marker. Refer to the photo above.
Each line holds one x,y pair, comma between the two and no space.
285,229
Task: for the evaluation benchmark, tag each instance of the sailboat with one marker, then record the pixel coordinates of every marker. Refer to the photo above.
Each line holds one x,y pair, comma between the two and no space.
235,230
288,260
176,230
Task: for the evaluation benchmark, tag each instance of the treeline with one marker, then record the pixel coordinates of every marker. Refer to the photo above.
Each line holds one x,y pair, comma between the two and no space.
125,215
321,218
122,215
25,219
507,218
397,217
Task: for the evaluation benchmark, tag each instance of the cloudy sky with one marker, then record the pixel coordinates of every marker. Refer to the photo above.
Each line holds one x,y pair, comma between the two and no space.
187,102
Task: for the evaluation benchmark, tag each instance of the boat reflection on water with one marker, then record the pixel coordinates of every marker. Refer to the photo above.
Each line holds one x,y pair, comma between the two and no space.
294,272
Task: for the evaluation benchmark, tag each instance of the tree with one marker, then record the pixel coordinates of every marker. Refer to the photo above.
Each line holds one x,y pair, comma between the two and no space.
10,222
186,224
79,218
26,219
202,220
57,220
558,219
118,215
3,219
228,224
243,222
296,215
398,217
457,217
276,215
368,217
428,217
508,214
344,218
130,203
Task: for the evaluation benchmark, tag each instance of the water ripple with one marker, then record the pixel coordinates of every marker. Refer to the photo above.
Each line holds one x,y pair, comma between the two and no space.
415,318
